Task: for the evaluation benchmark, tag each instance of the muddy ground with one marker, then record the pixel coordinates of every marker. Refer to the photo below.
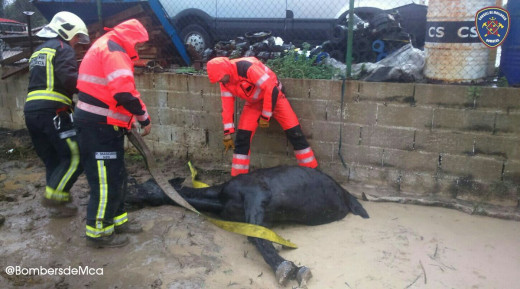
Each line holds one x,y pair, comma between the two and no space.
400,246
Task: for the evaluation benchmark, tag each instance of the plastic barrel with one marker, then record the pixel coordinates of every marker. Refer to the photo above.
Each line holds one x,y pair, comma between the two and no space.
510,57
453,50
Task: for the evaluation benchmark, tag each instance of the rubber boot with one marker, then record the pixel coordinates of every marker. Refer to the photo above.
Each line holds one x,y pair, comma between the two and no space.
131,227
59,209
110,241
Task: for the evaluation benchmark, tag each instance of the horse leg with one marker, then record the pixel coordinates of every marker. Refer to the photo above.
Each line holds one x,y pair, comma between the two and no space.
254,206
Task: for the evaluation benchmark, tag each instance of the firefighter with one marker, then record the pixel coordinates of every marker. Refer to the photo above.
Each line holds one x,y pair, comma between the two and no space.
108,105
48,108
250,79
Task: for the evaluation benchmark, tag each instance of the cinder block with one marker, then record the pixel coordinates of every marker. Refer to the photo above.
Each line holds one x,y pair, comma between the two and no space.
363,113
512,173
17,117
145,81
465,120
5,114
385,91
416,161
198,84
486,169
443,95
268,161
417,183
444,142
154,98
351,91
404,116
350,134
326,131
163,133
154,113
176,150
500,147
175,117
297,88
307,128
309,109
333,111
271,146
209,121
321,89
365,155
194,137
183,100
211,103
508,123
323,151
387,137
374,176
504,98
171,82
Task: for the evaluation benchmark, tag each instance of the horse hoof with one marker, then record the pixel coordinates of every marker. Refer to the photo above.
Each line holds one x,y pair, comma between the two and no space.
303,276
284,272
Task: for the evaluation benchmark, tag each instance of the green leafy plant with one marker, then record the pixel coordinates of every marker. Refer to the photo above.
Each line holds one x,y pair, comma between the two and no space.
295,64
502,82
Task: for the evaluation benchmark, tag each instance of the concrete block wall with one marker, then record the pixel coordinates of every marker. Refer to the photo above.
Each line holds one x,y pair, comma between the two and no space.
449,140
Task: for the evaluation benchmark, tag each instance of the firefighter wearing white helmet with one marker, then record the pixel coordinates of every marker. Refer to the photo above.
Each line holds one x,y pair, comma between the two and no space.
66,25
48,108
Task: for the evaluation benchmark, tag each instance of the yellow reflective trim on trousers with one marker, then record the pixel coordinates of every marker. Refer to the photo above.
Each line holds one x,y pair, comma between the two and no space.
56,195
96,233
74,162
48,95
241,228
121,219
103,194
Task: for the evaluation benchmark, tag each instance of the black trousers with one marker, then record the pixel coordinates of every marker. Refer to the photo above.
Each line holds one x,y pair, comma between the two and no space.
102,155
58,149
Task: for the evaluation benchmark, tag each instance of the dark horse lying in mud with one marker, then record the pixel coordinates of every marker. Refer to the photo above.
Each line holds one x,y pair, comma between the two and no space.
262,197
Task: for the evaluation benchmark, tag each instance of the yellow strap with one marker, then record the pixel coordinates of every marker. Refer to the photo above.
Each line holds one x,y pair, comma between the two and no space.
196,184
240,228
235,227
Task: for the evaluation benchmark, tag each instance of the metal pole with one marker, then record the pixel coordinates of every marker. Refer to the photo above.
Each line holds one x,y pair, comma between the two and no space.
350,37
99,10
29,29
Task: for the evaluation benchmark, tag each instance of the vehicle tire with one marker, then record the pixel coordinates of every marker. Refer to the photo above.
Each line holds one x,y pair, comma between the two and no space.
196,36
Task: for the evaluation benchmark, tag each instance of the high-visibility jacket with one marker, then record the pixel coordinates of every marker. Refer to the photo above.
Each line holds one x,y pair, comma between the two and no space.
53,74
249,79
106,78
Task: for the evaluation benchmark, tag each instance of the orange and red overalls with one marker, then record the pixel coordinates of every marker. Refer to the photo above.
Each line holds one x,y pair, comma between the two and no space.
251,80
108,103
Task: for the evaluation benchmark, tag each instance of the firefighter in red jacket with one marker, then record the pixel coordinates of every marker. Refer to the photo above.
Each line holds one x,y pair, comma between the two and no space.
108,106
48,108
249,79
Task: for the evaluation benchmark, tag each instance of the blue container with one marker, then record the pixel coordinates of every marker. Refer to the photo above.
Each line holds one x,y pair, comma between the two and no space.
510,58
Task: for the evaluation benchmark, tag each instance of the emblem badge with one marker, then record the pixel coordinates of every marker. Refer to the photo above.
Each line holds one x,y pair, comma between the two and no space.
492,25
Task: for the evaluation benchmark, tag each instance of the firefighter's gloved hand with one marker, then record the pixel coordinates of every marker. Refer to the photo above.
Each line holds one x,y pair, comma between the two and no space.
228,142
263,123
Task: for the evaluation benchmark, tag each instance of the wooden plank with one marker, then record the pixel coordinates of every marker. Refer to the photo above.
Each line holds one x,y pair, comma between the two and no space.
24,54
14,70
115,19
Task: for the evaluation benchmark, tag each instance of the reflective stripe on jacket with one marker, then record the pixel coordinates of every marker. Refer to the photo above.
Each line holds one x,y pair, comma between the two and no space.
249,79
53,75
108,70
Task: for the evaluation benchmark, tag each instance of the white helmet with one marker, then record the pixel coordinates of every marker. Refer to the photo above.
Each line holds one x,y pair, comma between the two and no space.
66,25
